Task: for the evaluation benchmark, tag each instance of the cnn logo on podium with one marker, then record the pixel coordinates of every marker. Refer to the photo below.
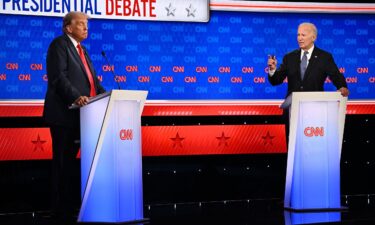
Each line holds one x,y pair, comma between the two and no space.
314,131
126,134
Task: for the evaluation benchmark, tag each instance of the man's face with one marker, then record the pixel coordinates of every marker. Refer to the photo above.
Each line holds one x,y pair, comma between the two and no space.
78,29
305,37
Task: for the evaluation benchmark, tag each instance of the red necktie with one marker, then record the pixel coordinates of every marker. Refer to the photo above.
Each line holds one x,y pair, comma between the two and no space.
88,71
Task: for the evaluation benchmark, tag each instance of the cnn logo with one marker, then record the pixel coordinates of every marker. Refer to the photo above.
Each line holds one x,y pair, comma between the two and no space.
314,131
126,134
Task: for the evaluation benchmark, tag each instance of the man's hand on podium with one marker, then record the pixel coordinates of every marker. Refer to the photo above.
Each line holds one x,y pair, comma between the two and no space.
344,91
81,101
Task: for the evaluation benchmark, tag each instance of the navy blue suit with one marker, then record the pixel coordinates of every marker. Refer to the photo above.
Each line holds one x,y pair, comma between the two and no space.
67,81
321,65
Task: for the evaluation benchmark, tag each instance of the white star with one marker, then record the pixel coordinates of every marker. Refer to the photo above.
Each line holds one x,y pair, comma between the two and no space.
170,10
191,11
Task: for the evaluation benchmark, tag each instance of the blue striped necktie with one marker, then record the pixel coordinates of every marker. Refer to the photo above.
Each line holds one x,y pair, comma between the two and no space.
303,64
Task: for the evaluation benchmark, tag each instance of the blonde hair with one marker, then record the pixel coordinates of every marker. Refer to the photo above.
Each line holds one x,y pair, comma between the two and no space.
70,16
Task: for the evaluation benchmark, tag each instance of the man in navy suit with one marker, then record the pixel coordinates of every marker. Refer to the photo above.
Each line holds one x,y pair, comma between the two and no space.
306,68
71,80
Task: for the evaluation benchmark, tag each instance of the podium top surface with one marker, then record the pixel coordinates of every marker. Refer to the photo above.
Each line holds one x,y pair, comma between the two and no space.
92,99
117,94
318,96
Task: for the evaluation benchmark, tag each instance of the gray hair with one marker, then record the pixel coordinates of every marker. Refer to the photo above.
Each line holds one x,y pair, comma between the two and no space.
312,26
70,16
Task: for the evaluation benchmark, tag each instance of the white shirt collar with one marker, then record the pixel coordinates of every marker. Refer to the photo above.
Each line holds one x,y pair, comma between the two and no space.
75,43
310,51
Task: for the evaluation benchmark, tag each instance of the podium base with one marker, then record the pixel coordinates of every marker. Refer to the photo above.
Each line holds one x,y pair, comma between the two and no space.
342,208
140,221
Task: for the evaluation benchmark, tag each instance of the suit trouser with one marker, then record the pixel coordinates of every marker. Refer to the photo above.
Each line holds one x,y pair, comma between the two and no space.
65,145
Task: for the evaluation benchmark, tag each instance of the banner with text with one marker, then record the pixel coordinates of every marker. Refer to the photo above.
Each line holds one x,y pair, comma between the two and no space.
167,10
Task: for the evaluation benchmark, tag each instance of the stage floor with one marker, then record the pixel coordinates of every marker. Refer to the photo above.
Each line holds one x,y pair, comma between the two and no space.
360,210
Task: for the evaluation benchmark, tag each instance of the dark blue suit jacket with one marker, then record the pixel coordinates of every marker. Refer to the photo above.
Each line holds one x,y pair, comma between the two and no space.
321,65
67,80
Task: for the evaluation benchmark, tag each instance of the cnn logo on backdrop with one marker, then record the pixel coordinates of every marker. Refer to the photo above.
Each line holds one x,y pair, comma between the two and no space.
314,131
126,134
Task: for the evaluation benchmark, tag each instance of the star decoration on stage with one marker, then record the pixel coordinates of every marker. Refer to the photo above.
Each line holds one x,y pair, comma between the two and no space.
38,144
191,11
170,10
268,139
223,139
177,141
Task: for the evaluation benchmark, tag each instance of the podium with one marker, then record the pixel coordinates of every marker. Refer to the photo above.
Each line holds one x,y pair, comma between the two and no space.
313,166
294,218
111,158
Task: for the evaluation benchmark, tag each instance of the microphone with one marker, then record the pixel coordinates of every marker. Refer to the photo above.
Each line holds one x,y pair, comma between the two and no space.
113,70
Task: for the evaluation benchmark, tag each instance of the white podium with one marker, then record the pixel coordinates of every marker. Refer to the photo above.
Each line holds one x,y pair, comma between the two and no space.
111,158
313,168
294,218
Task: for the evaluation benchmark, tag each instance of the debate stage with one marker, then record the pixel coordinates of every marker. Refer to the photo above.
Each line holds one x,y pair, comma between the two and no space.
213,140
361,210
245,188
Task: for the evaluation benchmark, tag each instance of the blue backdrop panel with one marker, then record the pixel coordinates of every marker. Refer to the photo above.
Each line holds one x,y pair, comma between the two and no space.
222,59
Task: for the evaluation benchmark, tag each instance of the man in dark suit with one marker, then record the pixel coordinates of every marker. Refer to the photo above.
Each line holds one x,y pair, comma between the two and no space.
306,68
71,80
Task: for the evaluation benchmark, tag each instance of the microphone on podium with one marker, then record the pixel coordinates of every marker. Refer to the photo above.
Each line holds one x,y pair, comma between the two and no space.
111,68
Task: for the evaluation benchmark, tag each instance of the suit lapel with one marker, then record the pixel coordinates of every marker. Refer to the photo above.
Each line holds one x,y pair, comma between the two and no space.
76,56
73,49
297,59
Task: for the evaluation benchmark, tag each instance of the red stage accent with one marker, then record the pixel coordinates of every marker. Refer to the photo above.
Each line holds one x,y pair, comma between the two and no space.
35,143
210,108
187,108
213,140
21,108
25,144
